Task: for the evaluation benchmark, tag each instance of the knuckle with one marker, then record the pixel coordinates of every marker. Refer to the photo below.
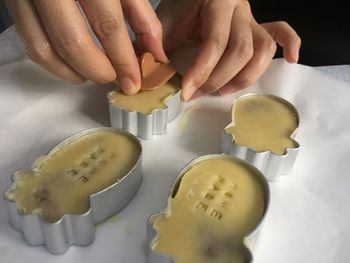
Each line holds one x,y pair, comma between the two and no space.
245,80
70,46
106,26
245,49
268,44
282,23
151,31
44,55
246,4
39,53
217,42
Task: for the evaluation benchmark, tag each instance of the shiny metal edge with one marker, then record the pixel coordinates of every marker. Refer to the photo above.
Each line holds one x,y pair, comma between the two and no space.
74,229
250,241
146,125
272,165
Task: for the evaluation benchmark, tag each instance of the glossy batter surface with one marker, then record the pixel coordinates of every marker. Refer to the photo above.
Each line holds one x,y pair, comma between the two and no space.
263,123
217,203
148,100
62,182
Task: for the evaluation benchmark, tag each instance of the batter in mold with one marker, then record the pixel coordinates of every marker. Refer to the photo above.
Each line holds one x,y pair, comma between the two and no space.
62,182
263,123
217,203
145,101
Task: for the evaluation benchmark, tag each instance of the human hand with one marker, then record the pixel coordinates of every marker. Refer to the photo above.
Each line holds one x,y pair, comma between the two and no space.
234,50
56,37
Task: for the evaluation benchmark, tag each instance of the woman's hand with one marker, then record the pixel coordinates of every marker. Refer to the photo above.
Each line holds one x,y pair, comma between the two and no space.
56,37
234,49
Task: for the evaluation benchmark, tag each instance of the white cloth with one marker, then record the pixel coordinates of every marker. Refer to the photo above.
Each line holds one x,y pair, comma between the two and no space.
309,212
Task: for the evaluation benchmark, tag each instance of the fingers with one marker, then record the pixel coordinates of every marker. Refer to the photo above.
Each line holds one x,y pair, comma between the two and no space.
285,36
107,21
146,26
37,44
264,50
238,52
216,24
69,36
180,21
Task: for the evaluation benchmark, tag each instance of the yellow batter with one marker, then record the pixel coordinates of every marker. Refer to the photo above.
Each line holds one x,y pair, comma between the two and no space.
263,123
146,101
62,183
218,202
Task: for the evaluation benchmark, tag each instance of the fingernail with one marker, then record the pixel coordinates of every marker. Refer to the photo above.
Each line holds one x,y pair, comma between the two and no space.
187,93
295,54
128,86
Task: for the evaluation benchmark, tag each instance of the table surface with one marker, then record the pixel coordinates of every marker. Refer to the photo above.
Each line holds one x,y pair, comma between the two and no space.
308,217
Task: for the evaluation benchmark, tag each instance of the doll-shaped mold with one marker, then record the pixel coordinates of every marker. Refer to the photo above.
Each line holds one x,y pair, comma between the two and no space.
82,181
216,203
148,112
261,132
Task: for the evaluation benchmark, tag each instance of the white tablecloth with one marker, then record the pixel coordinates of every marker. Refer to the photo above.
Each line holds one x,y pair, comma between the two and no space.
308,220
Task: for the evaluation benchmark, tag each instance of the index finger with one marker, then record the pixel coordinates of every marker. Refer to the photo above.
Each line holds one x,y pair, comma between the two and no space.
285,36
107,21
215,34
68,33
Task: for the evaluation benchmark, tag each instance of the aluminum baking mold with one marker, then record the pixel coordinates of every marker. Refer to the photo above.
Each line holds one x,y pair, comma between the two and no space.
272,165
74,229
249,242
146,125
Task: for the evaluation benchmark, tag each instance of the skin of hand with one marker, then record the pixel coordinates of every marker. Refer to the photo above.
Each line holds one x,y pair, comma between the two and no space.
234,50
56,36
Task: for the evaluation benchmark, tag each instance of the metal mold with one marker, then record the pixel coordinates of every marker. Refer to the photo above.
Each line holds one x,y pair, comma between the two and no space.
272,165
78,229
250,240
146,125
